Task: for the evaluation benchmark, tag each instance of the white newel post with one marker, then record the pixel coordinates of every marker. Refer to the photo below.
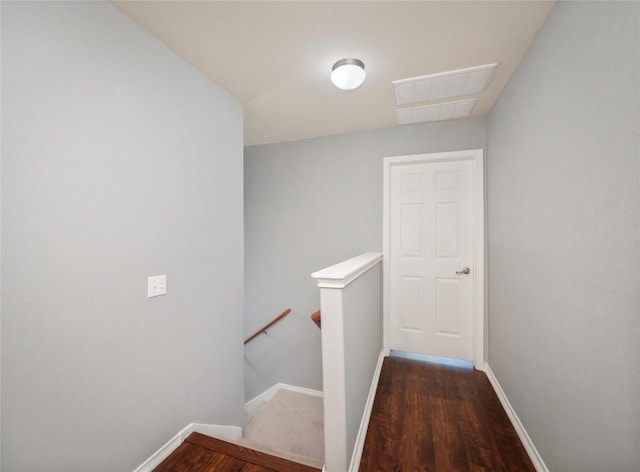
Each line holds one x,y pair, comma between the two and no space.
333,281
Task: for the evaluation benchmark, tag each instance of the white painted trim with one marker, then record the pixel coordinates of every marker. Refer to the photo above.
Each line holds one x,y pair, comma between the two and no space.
479,263
263,397
476,157
0,276
220,431
305,390
161,454
270,393
342,274
534,455
334,380
356,456
217,430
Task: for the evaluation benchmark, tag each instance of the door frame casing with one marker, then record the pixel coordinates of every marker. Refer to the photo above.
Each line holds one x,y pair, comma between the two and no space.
476,156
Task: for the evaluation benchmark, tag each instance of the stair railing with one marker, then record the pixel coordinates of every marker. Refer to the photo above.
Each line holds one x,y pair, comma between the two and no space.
268,325
316,317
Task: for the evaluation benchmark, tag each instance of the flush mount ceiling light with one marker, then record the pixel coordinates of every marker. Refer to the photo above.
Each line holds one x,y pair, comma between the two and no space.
348,74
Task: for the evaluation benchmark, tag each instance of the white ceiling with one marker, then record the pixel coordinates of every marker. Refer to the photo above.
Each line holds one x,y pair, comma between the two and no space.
276,57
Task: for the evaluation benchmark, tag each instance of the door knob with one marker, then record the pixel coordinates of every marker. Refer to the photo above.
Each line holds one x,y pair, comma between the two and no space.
464,271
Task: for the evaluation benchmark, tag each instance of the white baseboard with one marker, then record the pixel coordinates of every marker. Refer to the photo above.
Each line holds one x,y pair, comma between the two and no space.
217,430
161,454
534,455
269,394
358,447
220,431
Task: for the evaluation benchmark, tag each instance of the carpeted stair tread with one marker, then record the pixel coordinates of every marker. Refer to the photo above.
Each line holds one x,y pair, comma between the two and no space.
291,422
300,459
255,411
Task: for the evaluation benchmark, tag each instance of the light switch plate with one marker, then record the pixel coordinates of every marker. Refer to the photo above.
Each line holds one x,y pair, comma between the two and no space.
157,286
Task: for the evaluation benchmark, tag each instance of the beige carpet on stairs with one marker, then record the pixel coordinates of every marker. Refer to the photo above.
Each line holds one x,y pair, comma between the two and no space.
290,425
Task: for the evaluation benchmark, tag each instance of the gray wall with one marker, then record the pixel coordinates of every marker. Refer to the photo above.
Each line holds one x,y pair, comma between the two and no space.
362,301
564,248
119,161
310,204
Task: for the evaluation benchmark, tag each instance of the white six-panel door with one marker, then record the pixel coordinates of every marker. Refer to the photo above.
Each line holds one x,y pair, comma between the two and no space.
431,245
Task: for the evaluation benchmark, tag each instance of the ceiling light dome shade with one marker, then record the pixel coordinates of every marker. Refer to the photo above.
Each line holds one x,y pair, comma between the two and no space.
348,74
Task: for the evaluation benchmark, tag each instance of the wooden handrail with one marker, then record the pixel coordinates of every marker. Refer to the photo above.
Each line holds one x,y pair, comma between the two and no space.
268,325
316,318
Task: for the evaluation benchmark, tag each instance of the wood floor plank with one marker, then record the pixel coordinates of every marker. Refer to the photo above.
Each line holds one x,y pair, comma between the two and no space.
414,448
471,417
429,417
191,458
449,448
200,453
479,447
249,455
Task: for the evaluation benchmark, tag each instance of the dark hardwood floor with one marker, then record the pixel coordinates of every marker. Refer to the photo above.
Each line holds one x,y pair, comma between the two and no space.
428,417
200,453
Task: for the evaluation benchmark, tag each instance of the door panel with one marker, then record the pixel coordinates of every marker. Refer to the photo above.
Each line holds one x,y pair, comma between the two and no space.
448,306
431,238
411,303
